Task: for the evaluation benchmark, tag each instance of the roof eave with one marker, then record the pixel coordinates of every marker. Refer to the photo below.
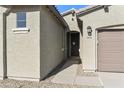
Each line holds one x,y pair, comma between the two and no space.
89,10
52,8
68,12
58,15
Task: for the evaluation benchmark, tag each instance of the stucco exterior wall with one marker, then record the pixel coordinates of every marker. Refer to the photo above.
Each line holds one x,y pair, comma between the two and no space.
52,42
1,45
73,25
97,19
23,49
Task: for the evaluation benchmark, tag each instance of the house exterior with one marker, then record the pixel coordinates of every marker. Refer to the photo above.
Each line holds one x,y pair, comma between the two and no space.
36,39
101,41
32,41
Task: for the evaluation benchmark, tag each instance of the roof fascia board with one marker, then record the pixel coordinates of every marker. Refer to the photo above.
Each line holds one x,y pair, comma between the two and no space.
89,10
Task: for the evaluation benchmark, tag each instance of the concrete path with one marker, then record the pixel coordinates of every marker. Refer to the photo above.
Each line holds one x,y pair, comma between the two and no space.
68,72
69,75
88,81
112,80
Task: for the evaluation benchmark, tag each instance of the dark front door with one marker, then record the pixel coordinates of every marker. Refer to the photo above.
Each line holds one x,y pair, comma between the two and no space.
74,44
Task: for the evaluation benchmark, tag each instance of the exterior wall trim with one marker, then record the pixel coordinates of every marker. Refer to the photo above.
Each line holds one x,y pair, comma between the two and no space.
110,27
21,29
96,49
91,9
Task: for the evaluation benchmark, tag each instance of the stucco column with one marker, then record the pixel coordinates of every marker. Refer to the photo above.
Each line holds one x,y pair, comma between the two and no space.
1,45
89,51
3,66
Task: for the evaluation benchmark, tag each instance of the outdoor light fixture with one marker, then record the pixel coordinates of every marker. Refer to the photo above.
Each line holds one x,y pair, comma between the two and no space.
89,31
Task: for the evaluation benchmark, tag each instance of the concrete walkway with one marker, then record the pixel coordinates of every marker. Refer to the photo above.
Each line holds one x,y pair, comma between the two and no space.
69,74
112,80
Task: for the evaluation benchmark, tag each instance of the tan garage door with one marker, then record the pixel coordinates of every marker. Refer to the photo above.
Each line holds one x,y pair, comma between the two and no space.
111,50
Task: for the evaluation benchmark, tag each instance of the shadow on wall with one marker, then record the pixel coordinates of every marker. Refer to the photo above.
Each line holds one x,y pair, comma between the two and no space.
80,25
64,65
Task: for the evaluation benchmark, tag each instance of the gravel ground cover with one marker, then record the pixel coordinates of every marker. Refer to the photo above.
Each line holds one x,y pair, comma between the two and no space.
9,83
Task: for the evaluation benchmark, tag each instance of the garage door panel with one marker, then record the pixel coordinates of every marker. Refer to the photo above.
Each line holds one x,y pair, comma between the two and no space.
109,65
110,41
107,54
109,44
117,38
112,54
109,61
113,33
112,67
111,51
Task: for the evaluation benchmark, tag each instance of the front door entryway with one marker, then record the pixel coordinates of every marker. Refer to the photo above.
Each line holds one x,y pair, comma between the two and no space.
73,43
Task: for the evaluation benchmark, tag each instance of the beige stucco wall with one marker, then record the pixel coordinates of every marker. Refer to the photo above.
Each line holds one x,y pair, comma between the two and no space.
73,25
52,42
23,49
31,54
97,19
